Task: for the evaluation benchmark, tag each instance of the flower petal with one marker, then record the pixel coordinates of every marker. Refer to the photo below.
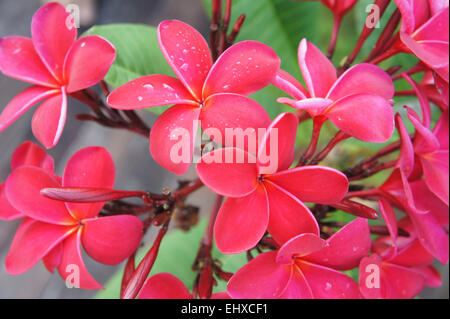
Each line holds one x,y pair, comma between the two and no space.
298,287
53,32
405,283
287,83
426,200
87,62
187,53
110,240
345,248
303,244
435,169
242,222
315,184
33,243
432,236
412,255
90,167
22,102
53,258
405,160
261,278
19,60
435,28
433,53
289,217
432,277
72,268
31,154
239,167
276,151
23,188
49,120
237,118
389,218
363,78
172,138
244,68
148,91
367,117
164,286
7,212
327,283
317,70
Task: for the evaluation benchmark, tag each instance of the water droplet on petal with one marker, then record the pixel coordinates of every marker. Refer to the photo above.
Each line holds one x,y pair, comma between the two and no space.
184,67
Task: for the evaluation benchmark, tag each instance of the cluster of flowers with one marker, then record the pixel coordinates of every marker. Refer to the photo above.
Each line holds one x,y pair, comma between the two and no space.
302,264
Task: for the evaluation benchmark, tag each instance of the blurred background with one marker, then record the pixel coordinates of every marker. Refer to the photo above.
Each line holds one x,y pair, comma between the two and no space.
135,169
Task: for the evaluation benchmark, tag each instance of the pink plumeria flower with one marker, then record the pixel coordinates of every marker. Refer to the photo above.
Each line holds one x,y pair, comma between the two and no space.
424,33
167,286
27,154
56,64
358,102
212,93
54,231
405,189
431,148
402,272
258,201
305,267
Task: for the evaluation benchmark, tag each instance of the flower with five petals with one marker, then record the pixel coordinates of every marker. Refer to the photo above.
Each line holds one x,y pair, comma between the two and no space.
259,201
56,64
215,93
54,231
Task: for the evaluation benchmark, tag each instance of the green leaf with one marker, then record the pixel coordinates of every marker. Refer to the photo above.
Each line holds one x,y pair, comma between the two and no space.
138,53
176,256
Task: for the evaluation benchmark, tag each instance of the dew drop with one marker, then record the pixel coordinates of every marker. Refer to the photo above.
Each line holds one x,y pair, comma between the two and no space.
83,44
168,87
140,98
184,67
328,286
149,86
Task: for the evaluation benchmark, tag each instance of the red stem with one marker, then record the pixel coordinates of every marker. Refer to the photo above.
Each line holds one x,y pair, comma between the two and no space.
317,126
339,137
334,35
365,33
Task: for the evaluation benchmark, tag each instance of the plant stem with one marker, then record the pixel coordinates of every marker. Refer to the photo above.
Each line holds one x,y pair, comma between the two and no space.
334,35
365,33
339,137
317,126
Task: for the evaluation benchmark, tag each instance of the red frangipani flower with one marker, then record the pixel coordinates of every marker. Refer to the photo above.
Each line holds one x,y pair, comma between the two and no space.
211,93
305,267
399,267
358,102
424,33
258,200
431,148
27,154
56,64
406,190
54,231
167,286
